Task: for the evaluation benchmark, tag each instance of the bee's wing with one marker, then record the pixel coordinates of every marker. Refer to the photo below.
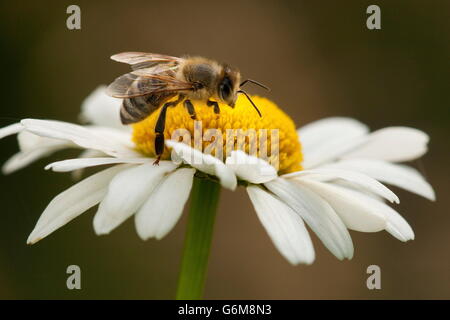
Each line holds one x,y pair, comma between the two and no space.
134,85
168,69
139,60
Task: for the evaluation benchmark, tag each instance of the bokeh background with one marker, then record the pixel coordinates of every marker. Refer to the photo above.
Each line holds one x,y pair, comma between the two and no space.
319,59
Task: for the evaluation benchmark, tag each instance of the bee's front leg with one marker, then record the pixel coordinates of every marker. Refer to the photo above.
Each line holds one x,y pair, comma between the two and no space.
160,126
210,103
190,108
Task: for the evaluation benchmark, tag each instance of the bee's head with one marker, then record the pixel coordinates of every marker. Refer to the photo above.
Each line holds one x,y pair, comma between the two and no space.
229,85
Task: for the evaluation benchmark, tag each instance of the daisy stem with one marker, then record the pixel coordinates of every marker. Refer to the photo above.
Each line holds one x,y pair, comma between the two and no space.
194,265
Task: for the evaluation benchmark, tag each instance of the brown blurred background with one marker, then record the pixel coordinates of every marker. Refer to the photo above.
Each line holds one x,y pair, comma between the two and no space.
319,59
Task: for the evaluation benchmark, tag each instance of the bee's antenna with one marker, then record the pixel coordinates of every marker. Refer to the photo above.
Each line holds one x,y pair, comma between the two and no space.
254,82
253,104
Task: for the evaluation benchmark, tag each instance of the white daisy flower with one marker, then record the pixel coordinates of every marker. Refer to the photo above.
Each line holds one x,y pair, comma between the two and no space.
328,174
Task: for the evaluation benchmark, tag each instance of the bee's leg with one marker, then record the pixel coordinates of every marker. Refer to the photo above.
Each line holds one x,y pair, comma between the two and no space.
160,126
210,103
190,108
159,130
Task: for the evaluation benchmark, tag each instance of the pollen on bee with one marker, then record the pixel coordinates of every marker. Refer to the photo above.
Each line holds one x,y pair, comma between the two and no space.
272,137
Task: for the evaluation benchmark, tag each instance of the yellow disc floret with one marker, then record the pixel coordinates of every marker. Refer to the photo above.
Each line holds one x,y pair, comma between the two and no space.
273,136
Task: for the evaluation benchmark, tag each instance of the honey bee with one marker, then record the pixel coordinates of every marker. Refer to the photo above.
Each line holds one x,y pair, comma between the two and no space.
157,78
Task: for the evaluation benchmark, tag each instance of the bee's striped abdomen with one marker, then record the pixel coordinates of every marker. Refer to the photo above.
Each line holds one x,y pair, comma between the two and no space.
134,110
138,108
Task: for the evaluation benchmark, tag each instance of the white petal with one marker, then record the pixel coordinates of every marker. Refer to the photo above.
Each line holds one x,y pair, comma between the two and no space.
355,187
29,141
397,175
318,131
329,138
102,110
284,226
317,213
161,211
396,225
75,164
79,135
119,136
250,168
362,180
10,130
24,158
396,144
33,148
127,192
73,202
204,162
357,215
88,153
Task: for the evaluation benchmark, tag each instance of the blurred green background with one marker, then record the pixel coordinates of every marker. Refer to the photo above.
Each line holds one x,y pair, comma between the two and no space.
319,59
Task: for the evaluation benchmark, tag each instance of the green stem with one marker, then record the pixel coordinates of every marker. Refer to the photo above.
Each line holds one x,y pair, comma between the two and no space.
204,201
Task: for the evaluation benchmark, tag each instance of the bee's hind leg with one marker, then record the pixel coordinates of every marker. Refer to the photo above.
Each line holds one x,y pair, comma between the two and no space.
190,108
160,126
159,130
210,103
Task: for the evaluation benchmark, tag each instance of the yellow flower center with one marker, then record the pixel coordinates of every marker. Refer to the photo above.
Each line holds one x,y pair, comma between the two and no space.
274,133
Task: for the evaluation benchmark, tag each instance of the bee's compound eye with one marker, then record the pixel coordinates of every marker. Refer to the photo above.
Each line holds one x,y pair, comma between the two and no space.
225,89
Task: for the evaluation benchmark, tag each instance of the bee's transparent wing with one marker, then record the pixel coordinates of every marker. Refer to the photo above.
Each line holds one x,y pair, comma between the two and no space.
167,69
139,60
134,85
